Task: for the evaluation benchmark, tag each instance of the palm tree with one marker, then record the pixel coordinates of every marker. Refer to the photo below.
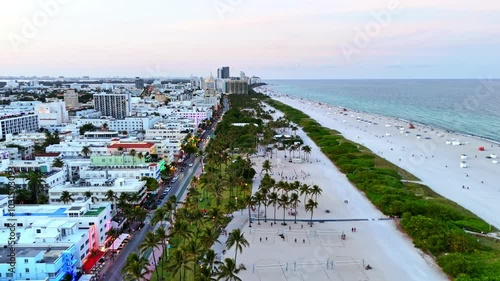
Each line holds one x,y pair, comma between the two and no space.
181,229
111,197
105,126
237,239
295,199
162,236
179,263
58,163
264,191
228,270
310,206
209,260
304,190
113,233
194,248
36,184
66,197
316,190
151,242
258,201
307,151
251,202
132,153
267,167
283,201
86,151
140,155
273,199
135,268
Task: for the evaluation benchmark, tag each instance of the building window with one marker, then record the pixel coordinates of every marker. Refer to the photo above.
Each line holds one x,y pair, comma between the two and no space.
27,270
38,231
25,260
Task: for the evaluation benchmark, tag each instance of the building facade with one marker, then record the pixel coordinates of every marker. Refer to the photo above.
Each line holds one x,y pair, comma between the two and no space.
18,123
71,99
114,105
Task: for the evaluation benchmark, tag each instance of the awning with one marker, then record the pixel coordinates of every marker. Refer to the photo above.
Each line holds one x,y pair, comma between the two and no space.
119,240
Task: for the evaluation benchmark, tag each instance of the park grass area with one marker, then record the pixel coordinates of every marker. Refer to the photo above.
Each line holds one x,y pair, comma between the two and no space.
435,223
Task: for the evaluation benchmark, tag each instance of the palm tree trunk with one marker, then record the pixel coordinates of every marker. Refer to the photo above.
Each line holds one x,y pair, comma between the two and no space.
156,265
295,212
249,217
265,212
312,212
235,252
274,213
284,210
258,215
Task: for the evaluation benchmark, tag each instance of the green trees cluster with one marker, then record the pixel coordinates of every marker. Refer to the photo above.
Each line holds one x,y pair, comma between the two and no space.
435,223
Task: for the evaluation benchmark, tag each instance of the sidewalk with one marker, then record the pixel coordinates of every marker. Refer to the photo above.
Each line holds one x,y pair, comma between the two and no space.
238,221
157,254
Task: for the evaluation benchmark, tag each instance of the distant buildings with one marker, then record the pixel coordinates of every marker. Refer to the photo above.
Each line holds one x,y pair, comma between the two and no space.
71,99
114,105
17,123
223,72
139,83
237,87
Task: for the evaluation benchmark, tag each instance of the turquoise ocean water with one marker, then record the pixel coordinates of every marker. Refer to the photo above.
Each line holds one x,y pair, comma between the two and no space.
465,106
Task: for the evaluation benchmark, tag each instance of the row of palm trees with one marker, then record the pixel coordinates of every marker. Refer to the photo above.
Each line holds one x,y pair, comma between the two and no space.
283,195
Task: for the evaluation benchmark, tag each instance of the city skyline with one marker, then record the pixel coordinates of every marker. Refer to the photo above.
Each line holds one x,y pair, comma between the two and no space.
283,39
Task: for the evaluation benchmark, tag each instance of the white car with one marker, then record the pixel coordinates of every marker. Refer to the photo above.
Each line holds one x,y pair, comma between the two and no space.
190,165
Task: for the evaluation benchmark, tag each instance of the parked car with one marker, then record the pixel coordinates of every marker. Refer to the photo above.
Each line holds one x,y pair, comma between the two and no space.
190,164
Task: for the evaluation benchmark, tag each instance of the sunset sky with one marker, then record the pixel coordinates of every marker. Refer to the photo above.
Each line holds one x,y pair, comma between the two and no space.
270,39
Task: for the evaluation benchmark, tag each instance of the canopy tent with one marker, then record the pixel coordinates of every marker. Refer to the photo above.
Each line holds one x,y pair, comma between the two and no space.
118,241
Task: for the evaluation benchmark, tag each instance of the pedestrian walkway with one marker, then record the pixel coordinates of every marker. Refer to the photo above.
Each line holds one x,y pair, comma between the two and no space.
152,261
237,222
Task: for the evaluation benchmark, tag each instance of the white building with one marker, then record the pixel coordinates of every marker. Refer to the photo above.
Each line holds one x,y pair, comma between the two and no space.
175,130
51,176
127,172
20,123
53,113
99,187
74,149
115,105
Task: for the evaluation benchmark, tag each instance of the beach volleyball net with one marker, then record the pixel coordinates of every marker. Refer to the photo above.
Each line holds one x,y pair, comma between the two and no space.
332,238
298,237
263,235
270,270
311,270
349,269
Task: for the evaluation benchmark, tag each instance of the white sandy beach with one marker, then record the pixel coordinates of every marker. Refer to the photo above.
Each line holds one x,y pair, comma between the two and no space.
376,242
427,156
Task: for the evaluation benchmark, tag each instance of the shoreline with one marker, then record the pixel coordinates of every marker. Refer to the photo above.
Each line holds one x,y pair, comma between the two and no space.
273,93
434,156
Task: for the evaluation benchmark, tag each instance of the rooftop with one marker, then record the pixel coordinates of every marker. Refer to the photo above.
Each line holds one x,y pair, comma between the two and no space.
95,212
49,254
39,210
132,145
